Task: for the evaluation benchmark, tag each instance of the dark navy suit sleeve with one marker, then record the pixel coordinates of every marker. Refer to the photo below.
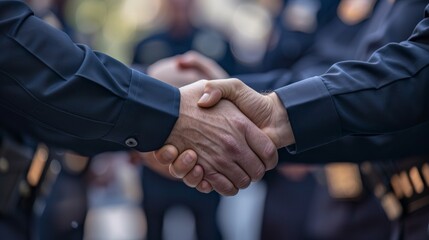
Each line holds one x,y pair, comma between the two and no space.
75,92
387,93
392,146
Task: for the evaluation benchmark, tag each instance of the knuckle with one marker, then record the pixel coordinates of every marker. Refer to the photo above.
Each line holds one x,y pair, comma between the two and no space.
270,156
240,123
271,160
228,190
244,182
221,185
236,82
260,172
222,163
206,83
209,85
232,147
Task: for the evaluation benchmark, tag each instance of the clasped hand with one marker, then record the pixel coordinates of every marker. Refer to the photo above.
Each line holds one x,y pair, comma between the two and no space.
228,132
231,149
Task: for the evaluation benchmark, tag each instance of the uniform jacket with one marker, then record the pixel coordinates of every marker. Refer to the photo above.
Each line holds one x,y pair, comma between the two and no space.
72,96
386,25
386,94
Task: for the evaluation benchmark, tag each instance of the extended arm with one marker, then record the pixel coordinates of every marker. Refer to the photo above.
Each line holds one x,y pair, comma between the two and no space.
388,93
71,90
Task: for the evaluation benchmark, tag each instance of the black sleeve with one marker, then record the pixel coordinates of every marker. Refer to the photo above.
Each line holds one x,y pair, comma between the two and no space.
398,145
388,93
75,92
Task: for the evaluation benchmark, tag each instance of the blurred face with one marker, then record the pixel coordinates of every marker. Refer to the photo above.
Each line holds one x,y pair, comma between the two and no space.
179,11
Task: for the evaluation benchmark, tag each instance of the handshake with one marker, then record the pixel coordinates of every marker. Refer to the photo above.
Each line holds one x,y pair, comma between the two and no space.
227,135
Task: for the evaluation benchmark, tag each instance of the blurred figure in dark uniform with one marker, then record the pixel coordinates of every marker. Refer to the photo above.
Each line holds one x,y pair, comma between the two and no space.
180,36
162,193
55,204
295,29
18,195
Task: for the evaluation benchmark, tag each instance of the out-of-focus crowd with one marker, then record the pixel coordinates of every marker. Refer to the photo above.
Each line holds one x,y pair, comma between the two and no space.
110,196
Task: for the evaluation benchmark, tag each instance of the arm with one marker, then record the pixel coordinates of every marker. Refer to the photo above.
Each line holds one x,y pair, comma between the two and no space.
398,145
384,95
81,94
94,102
387,93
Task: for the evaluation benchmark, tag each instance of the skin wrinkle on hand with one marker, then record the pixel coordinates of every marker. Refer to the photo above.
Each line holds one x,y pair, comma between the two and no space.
231,149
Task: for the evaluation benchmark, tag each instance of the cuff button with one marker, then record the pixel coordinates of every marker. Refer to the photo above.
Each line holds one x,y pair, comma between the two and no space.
131,142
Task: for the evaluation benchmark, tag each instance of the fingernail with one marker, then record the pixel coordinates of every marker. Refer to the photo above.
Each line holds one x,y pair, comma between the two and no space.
204,98
188,159
167,156
196,173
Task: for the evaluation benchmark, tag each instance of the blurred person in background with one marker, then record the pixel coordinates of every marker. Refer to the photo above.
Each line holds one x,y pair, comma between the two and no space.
180,35
59,195
161,193
296,23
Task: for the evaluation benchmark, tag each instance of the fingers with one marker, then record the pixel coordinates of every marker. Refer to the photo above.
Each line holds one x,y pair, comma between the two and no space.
262,146
220,184
167,154
204,187
183,164
253,166
184,167
194,177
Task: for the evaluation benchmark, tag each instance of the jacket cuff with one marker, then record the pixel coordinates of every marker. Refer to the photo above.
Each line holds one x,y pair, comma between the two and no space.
312,114
148,115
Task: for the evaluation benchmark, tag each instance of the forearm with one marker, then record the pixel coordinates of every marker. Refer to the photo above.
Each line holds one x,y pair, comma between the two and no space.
398,145
76,92
386,94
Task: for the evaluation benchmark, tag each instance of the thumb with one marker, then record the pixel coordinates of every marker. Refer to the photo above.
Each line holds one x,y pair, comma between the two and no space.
215,90
210,98
253,104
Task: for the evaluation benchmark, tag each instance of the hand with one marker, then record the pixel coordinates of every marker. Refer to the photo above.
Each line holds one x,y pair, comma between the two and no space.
266,111
166,162
185,69
169,70
203,65
231,149
187,170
